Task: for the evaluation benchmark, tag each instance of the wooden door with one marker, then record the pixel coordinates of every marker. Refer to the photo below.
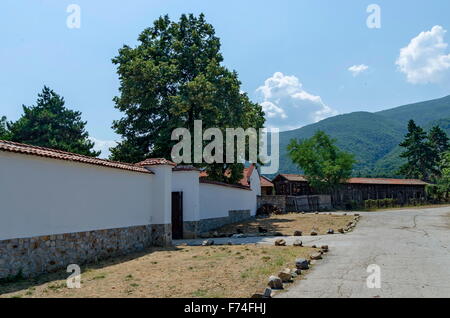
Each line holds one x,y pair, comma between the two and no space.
177,215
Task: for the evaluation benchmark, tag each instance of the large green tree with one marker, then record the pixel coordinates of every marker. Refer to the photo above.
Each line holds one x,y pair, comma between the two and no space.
419,154
171,78
50,124
324,164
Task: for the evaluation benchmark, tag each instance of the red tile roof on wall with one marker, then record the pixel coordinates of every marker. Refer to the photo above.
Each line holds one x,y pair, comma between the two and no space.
265,182
67,156
156,162
246,173
386,181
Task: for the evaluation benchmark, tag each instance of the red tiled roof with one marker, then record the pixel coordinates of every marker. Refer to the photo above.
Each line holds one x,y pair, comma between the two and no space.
246,173
298,177
156,162
238,186
265,182
294,177
68,156
386,181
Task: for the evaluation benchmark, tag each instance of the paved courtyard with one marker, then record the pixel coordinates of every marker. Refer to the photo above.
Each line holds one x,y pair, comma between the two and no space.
410,246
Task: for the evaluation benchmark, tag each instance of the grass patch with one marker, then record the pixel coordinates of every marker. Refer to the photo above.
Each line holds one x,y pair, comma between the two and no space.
99,276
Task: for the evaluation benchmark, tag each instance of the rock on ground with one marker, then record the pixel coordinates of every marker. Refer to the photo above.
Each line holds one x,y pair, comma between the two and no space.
285,275
208,243
275,282
301,263
280,242
316,256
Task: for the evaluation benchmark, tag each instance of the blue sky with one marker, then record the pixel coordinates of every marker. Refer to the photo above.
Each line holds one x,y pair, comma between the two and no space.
292,56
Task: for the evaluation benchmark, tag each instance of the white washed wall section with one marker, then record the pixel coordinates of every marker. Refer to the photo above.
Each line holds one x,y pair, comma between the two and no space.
188,183
216,201
42,196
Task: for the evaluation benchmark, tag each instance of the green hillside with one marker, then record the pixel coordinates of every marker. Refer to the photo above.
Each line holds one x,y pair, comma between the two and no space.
423,113
372,137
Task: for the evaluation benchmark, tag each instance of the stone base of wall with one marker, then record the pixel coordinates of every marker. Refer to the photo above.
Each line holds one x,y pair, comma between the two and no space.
40,254
190,229
161,234
206,225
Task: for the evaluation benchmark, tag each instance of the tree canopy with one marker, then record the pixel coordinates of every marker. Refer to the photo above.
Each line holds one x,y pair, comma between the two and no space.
444,181
3,128
423,152
50,124
324,164
170,79
439,144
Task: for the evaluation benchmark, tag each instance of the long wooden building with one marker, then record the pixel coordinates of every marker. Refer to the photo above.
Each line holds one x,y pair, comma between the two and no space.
355,189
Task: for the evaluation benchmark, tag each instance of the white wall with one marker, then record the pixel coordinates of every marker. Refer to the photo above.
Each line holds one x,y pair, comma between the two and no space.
188,183
42,196
217,200
162,194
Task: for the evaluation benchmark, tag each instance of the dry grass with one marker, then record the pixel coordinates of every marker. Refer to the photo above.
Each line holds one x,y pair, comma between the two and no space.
288,223
215,271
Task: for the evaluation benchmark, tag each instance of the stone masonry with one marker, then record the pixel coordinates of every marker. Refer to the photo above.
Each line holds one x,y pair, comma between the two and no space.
40,254
161,234
191,229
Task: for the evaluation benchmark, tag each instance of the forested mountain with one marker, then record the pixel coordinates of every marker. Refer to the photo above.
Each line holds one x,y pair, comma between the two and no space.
372,137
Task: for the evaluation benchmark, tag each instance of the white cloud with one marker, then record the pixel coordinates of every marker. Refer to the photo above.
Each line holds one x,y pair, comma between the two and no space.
357,69
288,106
103,146
425,59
